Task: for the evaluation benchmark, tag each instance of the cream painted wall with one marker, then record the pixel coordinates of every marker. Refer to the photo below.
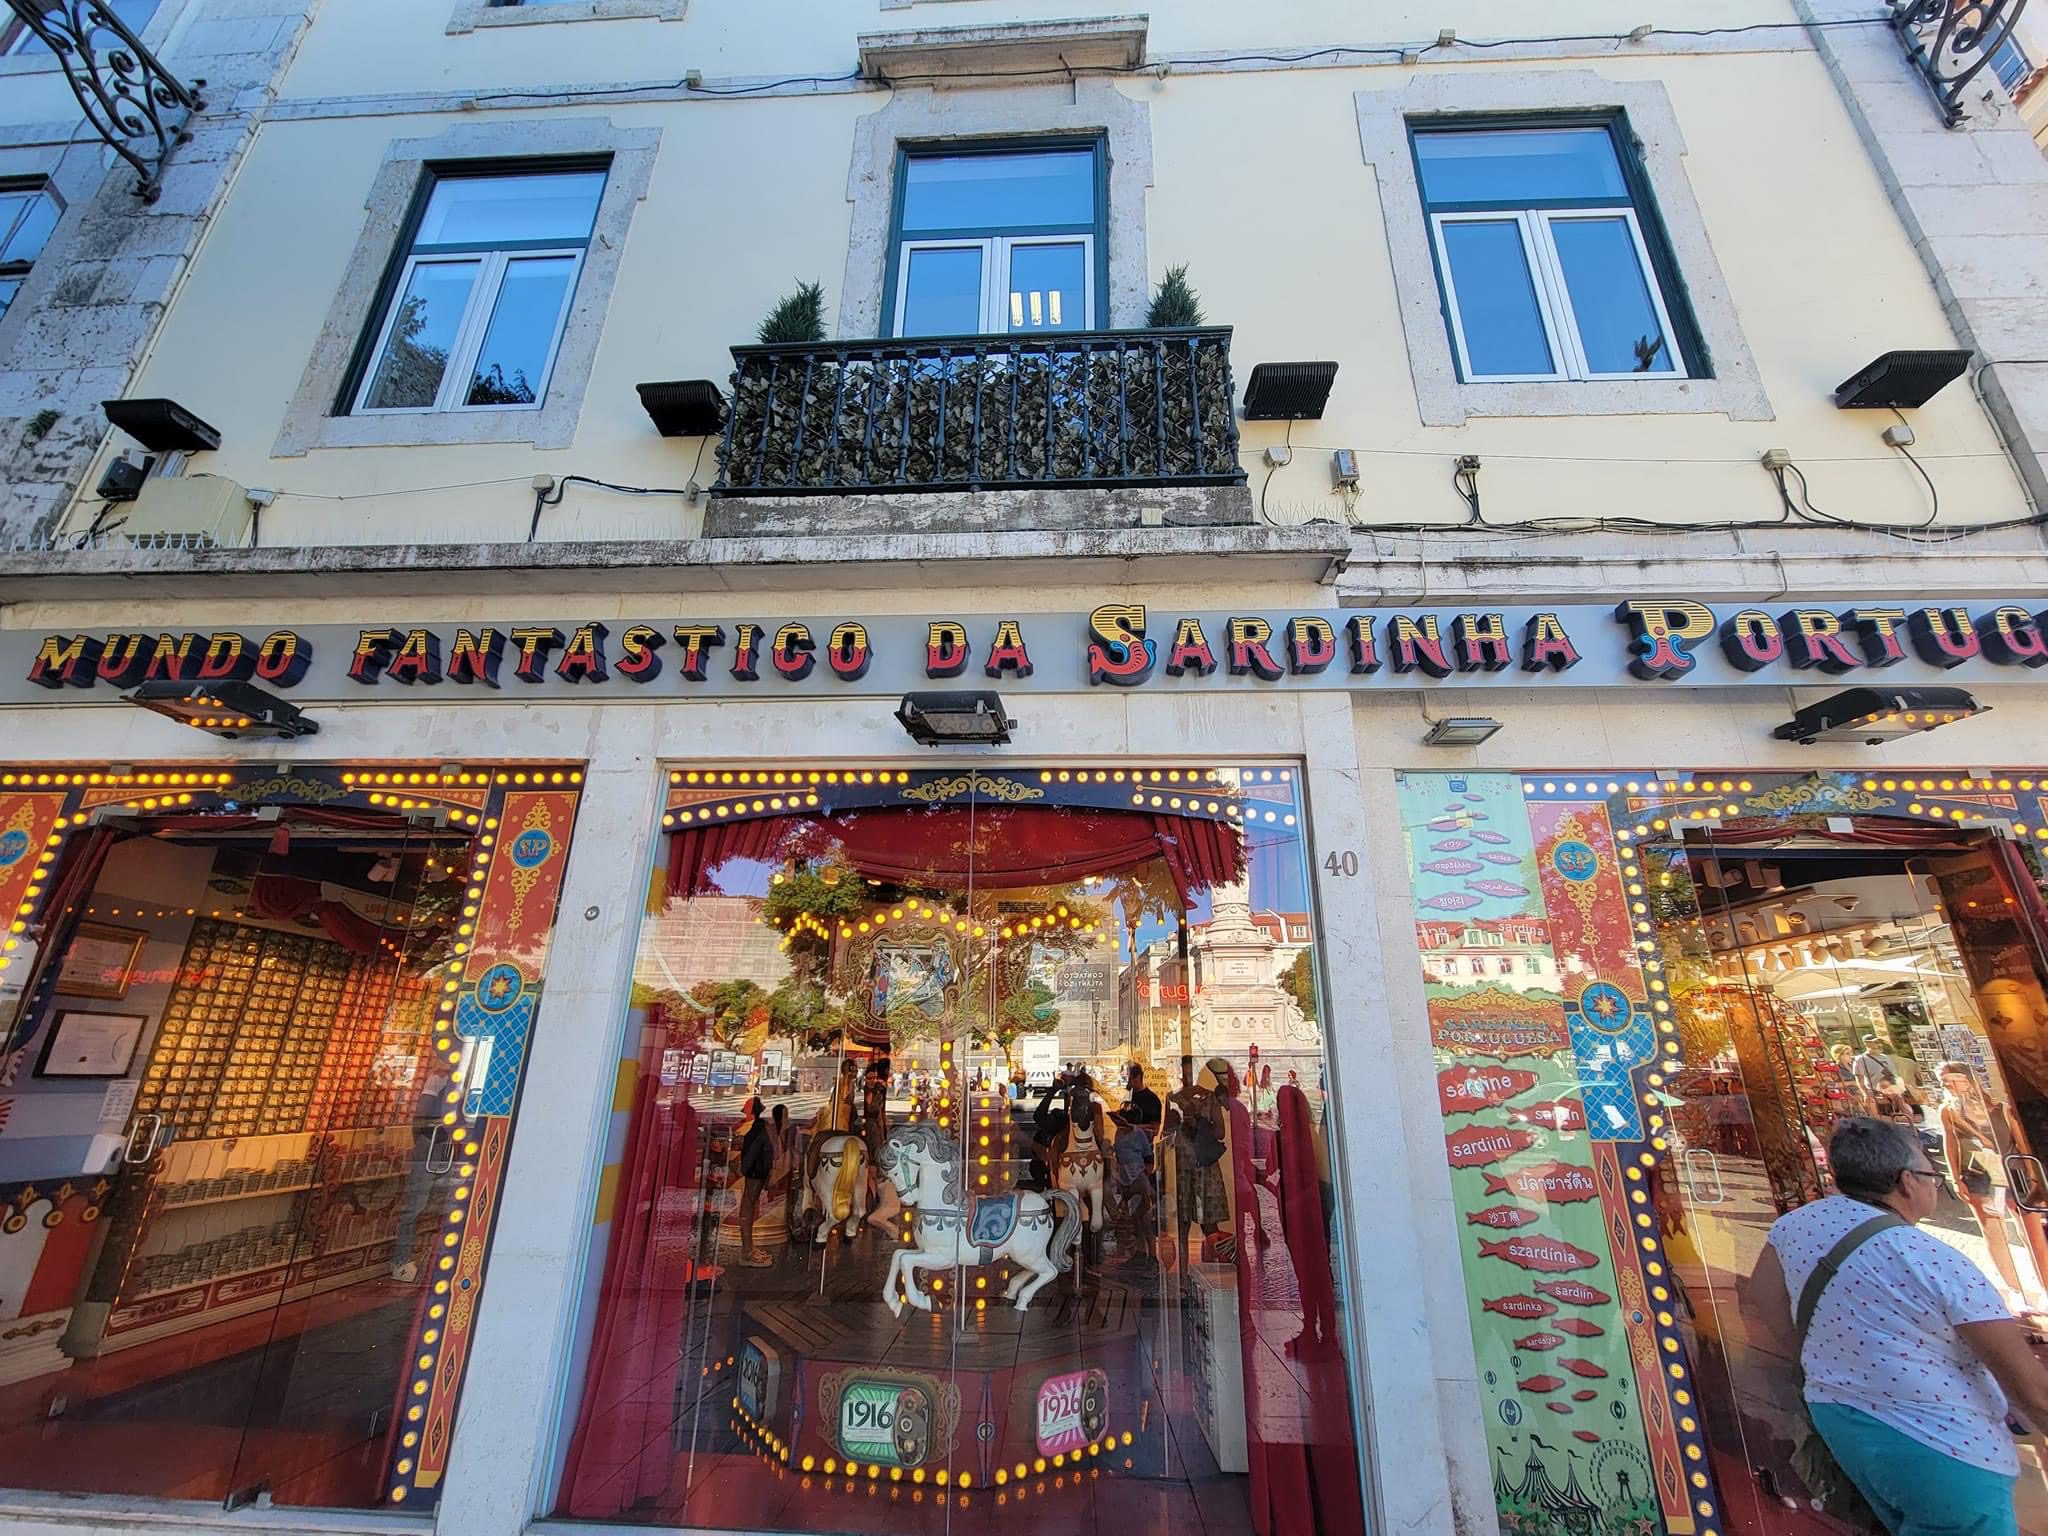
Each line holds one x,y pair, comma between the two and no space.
1282,229
411,48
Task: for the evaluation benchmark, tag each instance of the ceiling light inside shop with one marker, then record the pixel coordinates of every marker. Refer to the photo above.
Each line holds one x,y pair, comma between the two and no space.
955,719
233,711
1874,716
1459,731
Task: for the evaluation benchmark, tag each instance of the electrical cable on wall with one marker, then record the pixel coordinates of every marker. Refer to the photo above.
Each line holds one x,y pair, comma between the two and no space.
1409,53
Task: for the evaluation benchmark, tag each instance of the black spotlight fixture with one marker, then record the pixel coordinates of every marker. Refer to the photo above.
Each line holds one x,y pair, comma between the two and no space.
1874,716
973,719
1900,380
231,710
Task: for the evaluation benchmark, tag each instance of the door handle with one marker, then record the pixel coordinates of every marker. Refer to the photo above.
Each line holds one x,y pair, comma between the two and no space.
1692,1177
2024,1171
432,1142
129,1154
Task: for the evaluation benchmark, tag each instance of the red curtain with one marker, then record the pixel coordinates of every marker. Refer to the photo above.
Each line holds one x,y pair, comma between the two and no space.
1001,845
618,1453
284,899
695,853
1883,831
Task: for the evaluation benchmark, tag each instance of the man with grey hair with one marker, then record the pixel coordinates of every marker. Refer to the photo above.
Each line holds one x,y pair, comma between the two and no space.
1909,1355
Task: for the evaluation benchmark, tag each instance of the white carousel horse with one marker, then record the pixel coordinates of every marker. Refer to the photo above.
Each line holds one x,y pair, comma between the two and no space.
1081,1167
838,1184
1036,1232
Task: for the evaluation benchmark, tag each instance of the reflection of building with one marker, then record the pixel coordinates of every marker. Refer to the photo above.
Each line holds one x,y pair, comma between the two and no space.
1232,987
1085,991
719,938
1511,951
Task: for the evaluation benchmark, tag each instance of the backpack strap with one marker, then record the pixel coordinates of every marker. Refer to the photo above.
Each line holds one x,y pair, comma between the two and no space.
1835,1258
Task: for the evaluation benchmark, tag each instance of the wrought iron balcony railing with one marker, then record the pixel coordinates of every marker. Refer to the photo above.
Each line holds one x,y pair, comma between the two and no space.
954,413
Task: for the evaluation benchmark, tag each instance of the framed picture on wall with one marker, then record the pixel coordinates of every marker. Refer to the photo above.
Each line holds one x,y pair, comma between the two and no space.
91,1044
101,961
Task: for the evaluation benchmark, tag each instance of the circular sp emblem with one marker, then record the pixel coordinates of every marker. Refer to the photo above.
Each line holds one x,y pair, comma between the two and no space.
1574,860
531,848
13,846
499,987
1605,1007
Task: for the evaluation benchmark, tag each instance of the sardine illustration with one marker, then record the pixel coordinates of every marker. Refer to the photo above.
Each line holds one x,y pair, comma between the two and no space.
1580,1326
1449,901
1574,1292
1453,866
1451,845
1539,1253
1540,1341
1528,1308
1551,1182
1584,1395
1496,856
1493,887
1464,1089
1503,1218
1580,1367
1477,1145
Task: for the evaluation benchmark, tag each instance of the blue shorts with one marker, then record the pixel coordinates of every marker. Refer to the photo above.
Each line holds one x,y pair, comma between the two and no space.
1915,1489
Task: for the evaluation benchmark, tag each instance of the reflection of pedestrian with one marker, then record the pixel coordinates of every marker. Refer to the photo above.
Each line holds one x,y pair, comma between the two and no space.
1137,1161
1974,1134
1904,1345
757,1164
429,1135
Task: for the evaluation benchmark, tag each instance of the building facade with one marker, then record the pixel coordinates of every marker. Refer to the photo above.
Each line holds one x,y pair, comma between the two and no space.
508,674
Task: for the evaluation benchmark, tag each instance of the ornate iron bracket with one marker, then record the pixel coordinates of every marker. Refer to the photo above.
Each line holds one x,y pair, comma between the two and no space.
138,107
1950,41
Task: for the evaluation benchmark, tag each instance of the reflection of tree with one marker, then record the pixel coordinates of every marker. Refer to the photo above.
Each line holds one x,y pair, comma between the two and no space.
729,1010
1028,1010
807,1013
411,371
493,388
1299,983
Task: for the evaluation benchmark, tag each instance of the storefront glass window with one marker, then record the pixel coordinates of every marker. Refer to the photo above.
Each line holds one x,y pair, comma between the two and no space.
1717,969
259,1079
972,1165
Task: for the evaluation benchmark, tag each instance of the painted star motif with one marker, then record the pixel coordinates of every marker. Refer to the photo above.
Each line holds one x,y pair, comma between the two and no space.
499,987
1606,1005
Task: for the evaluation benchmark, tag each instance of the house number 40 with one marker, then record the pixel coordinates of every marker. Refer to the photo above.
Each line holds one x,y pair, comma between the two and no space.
1345,863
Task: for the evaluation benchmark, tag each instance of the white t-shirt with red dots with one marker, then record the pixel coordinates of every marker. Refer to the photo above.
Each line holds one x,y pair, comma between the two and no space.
1883,1338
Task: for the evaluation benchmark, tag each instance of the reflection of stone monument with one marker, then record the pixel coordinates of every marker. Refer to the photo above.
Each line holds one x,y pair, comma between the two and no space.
1239,1001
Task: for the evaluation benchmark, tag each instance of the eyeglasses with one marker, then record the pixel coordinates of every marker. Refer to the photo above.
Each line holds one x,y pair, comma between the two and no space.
1923,1173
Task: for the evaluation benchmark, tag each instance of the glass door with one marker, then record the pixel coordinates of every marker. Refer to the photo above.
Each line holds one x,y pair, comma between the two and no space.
1816,979
378,1120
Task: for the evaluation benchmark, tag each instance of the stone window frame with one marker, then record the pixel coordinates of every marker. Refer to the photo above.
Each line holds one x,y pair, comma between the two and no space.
472,14
310,421
929,118
1385,117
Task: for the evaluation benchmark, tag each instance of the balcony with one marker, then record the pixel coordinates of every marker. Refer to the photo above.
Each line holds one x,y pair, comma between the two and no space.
1086,410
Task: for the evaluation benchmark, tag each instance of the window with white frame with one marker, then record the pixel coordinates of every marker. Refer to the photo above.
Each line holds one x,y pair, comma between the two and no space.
27,215
1546,267
474,311
993,241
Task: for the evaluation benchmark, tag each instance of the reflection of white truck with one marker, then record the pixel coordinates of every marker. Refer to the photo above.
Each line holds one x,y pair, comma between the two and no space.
1040,1055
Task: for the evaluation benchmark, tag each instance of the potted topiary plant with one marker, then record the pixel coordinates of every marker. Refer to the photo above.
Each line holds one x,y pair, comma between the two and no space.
796,317
1175,305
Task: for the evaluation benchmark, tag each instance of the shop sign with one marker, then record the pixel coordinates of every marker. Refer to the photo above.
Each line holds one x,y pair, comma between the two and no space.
1073,1410
1118,645
890,1420
760,1379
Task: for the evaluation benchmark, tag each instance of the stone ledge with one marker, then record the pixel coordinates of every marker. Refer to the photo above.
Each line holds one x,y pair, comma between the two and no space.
1312,552
942,512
